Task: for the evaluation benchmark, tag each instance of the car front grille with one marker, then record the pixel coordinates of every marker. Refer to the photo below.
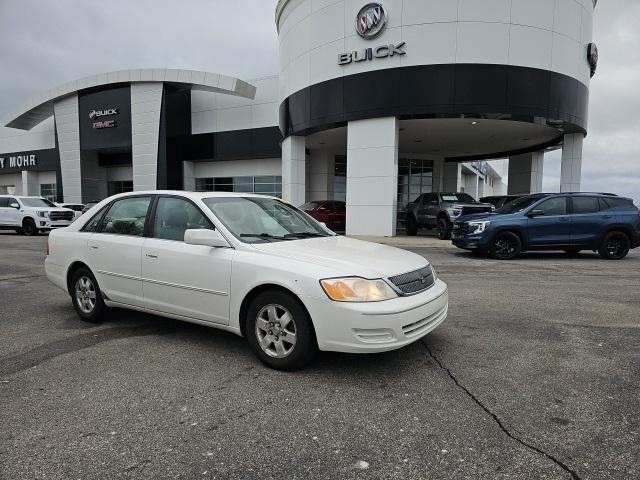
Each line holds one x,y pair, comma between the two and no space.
460,229
60,216
472,210
414,282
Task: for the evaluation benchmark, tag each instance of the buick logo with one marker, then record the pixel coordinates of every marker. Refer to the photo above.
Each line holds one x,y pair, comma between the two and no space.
371,20
93,114
423,279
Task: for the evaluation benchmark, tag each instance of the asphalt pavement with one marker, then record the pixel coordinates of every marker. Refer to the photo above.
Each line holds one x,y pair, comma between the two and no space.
534,375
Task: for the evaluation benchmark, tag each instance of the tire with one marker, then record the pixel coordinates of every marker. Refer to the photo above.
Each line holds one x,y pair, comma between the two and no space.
505,246
29,227
412,226
86,297
444,228
615,246
273,319
572,251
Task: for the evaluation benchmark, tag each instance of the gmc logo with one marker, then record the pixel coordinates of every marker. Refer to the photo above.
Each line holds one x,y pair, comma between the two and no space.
105,124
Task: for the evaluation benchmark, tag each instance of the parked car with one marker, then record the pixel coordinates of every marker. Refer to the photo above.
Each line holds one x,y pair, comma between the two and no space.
604,223
332,213
249,264
77,208
499,201
440,210
30,215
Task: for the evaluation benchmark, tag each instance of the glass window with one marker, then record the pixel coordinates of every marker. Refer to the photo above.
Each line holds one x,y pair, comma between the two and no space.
585,205
4,202
36,202
48,191
259,220
92,225
612,202
554,206
310,206
174,216
126,217
457,197
116,187
266,185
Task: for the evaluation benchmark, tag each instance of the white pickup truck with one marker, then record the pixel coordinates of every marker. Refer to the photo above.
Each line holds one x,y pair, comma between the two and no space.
31,215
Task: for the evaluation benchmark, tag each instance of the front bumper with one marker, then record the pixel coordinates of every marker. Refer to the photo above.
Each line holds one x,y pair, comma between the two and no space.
46,224
380,326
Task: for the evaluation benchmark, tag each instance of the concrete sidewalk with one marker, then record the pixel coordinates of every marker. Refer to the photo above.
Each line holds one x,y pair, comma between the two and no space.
421,241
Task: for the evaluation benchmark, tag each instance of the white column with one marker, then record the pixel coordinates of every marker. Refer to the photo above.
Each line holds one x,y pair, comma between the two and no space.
321,169
146,104
526,173
571,170
452,177
30,185
372,177
188,176
293,170
68,130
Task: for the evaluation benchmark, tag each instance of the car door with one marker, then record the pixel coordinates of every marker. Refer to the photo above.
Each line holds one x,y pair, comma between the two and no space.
4,210
552,226
12,215
115,250
422,209
587,221
188,280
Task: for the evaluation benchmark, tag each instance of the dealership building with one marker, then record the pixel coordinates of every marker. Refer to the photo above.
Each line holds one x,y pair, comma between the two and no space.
374,104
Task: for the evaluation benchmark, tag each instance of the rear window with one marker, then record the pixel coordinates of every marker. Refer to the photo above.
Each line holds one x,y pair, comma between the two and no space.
612,202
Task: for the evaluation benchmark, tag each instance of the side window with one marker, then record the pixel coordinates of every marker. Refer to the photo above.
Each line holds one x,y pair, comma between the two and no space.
174,216
4,202
92,225
126,217
554,206
585,205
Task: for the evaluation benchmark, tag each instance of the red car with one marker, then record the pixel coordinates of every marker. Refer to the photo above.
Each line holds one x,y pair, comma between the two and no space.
331,212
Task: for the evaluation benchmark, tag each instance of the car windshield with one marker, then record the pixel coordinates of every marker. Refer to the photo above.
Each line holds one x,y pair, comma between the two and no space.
36,202
518,205
261,220
457,197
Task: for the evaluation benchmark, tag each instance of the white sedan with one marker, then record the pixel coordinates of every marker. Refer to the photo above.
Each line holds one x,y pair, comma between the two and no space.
248,264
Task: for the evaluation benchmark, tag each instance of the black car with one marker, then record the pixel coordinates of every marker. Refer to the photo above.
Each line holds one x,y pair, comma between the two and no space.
440,210
499,201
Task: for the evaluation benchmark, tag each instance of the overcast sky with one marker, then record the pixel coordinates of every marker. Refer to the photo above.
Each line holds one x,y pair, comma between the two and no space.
44,43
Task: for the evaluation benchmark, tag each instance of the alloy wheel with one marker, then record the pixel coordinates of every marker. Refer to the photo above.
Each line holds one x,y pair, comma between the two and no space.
616,246
505,247
276,331
85,295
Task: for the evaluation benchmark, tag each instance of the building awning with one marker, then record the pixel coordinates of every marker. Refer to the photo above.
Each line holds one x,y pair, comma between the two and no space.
40,108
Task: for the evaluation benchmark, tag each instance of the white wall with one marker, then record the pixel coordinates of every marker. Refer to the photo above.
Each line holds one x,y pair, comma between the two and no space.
41,137
546,34
11,180
238,168
215,112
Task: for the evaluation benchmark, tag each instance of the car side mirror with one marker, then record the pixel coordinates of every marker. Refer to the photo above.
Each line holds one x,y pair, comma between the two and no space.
15,205
205,237
536,212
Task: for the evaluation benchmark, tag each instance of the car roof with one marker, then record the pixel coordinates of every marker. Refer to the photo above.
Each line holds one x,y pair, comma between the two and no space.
192,195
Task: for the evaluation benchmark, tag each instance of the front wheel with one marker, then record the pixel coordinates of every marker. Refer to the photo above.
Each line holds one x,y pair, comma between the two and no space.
615,246
279,331
412,226
86,296
444,228
505,246
29,227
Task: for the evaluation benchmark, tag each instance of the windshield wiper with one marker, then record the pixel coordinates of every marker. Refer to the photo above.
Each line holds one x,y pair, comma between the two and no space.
305,235
264,236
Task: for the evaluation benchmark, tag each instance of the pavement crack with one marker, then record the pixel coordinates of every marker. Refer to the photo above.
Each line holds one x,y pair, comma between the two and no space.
500,423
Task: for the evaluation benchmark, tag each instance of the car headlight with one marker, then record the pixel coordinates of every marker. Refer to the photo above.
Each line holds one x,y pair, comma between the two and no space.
42,214
354,289
454,212
478,227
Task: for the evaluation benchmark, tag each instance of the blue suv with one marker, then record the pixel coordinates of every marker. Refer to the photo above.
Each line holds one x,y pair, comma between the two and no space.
571,222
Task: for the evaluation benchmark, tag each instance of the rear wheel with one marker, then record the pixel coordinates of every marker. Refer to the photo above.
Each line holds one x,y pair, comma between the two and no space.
615,246
412,226
86,296
444,228
29,227
505,246
279,331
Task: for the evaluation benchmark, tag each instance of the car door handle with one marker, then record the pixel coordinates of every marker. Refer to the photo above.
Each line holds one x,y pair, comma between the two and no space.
151,255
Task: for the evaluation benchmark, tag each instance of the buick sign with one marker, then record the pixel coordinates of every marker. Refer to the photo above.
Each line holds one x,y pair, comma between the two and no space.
371,20
93,114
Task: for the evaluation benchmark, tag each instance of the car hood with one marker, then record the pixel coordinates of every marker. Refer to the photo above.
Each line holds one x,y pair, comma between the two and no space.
485,216
347,256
